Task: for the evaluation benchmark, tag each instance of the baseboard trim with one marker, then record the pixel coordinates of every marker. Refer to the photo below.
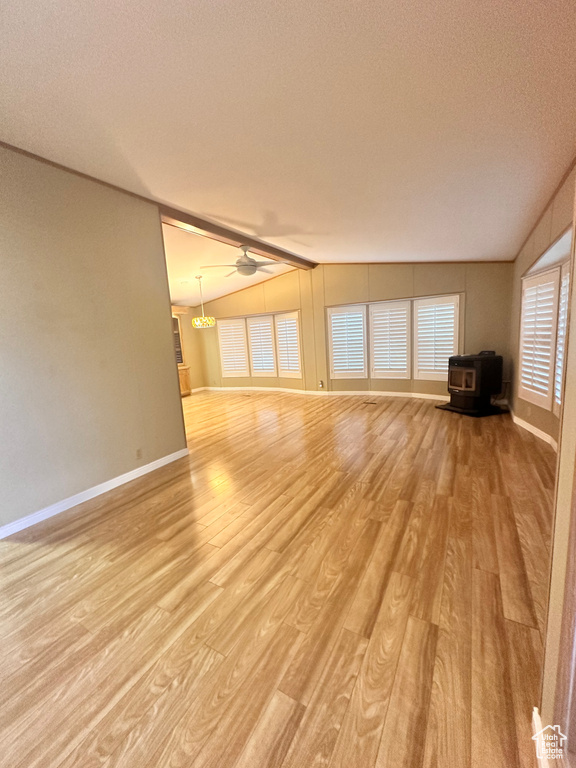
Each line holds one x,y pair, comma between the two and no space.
535,431
327,393
539,746
90,493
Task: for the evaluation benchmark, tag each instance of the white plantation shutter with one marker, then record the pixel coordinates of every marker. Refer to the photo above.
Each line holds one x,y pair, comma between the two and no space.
288,346
261,342
390,340
561,334
347,337
435,336
233,348
538,338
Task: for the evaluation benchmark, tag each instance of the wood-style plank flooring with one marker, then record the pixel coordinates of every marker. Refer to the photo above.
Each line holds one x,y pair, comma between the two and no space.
349,582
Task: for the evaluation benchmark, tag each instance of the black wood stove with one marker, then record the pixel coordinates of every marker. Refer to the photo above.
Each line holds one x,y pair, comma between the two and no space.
473,380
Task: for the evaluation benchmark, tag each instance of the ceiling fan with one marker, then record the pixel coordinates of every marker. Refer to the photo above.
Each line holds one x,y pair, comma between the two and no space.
246,265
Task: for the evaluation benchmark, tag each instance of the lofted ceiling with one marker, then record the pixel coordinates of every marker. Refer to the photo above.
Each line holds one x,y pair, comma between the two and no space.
187,253
342,131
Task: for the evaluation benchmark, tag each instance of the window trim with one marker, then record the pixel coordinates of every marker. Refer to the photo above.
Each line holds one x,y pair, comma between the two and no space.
284,374
343,310
251,320
245,373
427,301
544,401
391,374
565,271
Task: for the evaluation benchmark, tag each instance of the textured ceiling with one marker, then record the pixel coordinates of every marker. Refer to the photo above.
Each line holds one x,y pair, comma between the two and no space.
342,131
187,253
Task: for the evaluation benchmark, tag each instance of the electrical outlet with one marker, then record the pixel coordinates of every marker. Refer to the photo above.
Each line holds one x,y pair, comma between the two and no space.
138,453
320,384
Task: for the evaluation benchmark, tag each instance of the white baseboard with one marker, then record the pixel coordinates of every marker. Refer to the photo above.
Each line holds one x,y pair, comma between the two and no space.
329,393
535,431
543,762
90,493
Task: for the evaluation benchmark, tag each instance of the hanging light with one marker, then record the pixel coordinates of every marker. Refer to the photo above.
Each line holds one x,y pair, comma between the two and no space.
202,322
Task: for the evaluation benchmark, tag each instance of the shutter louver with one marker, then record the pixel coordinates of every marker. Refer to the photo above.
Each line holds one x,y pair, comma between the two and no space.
561,335
261,341
390,340
288,346
537,338
436,338
348,342
233,351
177,341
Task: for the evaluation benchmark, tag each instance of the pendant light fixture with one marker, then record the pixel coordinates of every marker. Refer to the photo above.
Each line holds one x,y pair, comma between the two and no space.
202,322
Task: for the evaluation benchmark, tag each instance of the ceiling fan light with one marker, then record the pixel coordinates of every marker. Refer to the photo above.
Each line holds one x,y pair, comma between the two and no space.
203,322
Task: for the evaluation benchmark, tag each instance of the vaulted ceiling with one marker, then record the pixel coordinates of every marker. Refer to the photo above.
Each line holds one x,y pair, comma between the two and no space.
186,257
342,131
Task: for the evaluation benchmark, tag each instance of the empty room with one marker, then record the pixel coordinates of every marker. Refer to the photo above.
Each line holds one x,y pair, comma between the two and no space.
287,384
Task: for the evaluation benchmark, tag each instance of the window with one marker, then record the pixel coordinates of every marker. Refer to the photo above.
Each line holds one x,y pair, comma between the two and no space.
435,336
177,340
288,346
233,348
429,326
347,326
538,338
561,335
390,340
261,343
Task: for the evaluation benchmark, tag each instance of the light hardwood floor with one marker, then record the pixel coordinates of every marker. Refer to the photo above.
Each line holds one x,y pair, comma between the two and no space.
344,581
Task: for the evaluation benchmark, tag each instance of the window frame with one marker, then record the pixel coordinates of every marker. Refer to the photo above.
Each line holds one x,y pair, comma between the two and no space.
429,301
283,373
565,272
392,373
542,400
342,310
244,373
253,320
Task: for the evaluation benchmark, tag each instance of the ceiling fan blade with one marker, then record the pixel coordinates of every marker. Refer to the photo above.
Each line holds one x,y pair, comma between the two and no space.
266,263
263,269
216,266
234,272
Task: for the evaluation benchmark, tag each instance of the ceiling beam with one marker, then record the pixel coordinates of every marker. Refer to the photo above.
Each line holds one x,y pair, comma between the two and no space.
198,226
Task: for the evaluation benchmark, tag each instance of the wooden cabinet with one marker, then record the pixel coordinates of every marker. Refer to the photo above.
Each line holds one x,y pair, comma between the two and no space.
184,379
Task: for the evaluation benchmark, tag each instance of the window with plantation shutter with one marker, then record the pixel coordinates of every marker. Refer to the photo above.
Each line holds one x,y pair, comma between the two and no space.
347,341
261,345
561,335
538,338
288,346
435,336
233,348
390,340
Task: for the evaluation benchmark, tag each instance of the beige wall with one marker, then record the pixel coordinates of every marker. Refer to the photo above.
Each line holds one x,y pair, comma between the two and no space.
555,220
485,322
562,517
192,348
285,293
87,374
